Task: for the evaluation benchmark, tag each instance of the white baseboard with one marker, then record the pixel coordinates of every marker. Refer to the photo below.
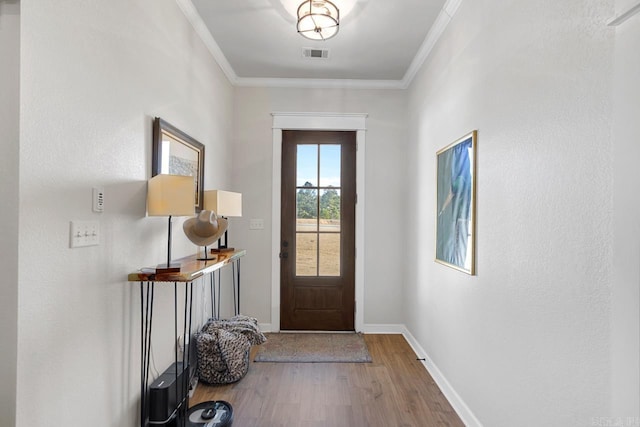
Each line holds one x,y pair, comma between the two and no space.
265,327
461,408
370,328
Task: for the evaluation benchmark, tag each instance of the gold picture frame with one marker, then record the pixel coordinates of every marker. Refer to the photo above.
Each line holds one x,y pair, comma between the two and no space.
456,204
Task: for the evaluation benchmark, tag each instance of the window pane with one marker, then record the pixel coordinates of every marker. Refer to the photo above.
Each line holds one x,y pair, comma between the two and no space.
330,166
330,210
307,166
330,254
307,210
306,254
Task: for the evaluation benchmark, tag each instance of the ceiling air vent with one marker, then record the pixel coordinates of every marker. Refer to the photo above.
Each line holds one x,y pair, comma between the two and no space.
310,53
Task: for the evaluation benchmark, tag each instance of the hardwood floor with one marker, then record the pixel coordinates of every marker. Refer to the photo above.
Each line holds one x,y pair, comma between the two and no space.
393,390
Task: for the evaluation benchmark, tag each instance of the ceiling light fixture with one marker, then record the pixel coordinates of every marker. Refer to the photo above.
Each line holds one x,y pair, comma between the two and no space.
318,19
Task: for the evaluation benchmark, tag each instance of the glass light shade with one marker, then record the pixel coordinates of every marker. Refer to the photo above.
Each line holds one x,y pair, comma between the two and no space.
346,6
223,203
171,195
318,19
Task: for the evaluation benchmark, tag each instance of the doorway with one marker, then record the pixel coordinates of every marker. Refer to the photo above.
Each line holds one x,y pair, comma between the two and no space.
356,122
317,242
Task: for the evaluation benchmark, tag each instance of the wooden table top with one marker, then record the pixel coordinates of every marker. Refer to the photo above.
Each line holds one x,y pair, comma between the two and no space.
190,268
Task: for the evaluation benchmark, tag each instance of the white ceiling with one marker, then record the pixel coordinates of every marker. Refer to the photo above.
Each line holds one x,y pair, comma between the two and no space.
381,43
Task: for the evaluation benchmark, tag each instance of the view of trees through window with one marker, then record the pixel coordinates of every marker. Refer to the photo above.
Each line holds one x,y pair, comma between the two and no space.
308,203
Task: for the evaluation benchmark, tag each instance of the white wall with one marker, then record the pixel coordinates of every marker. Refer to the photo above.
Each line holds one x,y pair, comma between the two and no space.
526,341
10,129
625,309
94,74
384,180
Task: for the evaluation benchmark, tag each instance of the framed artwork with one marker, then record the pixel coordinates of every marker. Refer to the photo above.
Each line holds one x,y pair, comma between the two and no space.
176,153
456,204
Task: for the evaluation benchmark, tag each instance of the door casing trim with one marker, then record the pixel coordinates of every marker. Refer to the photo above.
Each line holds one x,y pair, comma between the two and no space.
317,121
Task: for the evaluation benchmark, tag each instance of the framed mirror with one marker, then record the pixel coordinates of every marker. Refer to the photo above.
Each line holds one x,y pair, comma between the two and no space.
456,204
176,153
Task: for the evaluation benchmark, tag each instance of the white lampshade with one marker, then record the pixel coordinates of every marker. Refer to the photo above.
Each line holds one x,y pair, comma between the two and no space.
223,203
171,195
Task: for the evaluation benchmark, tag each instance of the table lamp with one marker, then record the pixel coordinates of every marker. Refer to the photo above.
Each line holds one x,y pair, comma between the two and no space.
225,204
170,195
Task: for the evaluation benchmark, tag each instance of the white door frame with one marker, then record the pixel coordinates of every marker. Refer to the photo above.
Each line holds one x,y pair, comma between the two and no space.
317,121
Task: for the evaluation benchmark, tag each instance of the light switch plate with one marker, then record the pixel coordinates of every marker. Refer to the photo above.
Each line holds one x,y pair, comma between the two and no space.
84,233
256,224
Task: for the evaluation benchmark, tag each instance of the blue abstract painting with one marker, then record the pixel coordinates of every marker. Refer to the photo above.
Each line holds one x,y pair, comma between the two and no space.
455,222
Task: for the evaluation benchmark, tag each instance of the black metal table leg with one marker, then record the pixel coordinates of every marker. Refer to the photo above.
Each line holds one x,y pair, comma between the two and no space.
218,298
233,285
238,285
212,283
146,321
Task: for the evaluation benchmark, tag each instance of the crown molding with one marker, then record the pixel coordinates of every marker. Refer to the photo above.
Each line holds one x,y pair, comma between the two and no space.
624,16
199,26
318,114
319,83
451,7
442,21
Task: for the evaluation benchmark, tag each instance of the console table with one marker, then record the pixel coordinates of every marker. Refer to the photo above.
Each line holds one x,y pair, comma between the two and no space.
192,268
